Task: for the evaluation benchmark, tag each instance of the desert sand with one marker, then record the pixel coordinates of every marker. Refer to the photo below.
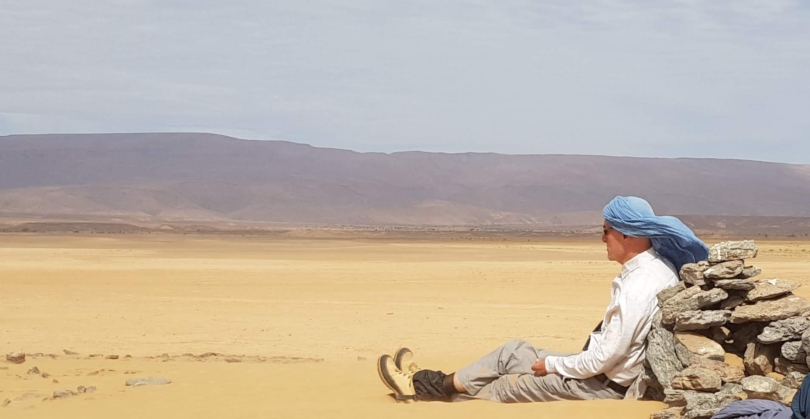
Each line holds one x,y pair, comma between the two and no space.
297,323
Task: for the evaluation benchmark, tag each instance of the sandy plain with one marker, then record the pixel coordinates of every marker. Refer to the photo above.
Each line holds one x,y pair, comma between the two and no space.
298,323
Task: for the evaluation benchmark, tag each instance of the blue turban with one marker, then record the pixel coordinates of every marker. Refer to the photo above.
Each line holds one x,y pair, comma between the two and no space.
671,238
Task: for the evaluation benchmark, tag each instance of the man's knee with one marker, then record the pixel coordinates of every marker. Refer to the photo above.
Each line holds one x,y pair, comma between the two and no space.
514,345
519,349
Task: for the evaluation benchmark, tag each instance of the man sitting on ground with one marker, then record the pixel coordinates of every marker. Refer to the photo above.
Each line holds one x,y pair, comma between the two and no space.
651,250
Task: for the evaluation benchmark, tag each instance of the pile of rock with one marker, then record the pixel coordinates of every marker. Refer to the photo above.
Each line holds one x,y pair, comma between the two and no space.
722,336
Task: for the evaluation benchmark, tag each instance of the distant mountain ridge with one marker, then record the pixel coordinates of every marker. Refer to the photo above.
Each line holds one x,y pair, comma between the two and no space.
212,177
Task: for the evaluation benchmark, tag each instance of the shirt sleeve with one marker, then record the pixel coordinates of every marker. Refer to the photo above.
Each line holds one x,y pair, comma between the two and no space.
607,350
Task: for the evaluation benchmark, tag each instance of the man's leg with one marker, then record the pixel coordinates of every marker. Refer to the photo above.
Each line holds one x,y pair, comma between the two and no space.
515,357
521,388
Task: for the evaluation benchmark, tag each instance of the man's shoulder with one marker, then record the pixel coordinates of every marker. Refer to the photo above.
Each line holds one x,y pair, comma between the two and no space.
655,272
663,265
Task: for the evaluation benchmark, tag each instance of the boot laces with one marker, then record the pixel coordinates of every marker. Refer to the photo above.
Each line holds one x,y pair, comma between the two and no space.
406,374
412,369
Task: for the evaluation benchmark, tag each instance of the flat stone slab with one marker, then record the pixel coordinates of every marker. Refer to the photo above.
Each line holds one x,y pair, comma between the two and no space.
749,272
701,320
771,310
690,299
759,387
732,250
728,373
724,270
735,284
148,381
670,292
784,330
710,297
732,301
701,345
680,302
692,273
766,289
697,378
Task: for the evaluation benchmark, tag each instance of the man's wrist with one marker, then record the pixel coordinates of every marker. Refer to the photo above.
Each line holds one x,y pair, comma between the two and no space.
551,364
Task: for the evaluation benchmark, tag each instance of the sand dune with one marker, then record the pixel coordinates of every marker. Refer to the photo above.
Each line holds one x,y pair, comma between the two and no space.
299,322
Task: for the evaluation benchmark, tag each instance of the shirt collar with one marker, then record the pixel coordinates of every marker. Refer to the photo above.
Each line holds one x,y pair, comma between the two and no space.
639,260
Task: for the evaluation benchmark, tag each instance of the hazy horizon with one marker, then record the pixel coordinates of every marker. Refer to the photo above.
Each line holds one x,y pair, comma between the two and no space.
403,151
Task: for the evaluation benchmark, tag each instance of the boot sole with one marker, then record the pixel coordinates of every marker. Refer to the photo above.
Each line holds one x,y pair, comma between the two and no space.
386,379
398,356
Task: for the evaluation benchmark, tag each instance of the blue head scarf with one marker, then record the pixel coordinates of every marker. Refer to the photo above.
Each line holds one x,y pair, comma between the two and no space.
671,238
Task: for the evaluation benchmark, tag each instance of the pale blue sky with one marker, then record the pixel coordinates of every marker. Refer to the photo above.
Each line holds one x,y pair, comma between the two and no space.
719,78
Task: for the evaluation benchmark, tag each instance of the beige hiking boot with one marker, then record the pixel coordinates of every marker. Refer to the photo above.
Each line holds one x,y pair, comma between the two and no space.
396,380
406,362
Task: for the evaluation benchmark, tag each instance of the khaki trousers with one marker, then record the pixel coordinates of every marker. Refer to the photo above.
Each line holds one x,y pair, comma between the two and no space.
505,375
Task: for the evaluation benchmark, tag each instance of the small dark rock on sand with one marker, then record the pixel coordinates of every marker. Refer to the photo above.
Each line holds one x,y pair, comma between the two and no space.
147,381
63,394
16,357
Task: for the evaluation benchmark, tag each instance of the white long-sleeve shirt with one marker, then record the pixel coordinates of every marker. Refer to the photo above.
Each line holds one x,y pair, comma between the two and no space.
617,350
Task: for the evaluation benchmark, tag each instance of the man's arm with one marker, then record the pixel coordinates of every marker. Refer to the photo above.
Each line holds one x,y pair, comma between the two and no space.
623,323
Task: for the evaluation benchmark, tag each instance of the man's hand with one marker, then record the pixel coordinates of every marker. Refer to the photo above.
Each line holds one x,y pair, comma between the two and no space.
539,368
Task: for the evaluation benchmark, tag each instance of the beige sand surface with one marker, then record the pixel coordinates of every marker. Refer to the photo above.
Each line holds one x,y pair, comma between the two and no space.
300,322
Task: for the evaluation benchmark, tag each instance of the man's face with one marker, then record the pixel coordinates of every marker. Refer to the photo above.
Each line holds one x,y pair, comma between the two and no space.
614,241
